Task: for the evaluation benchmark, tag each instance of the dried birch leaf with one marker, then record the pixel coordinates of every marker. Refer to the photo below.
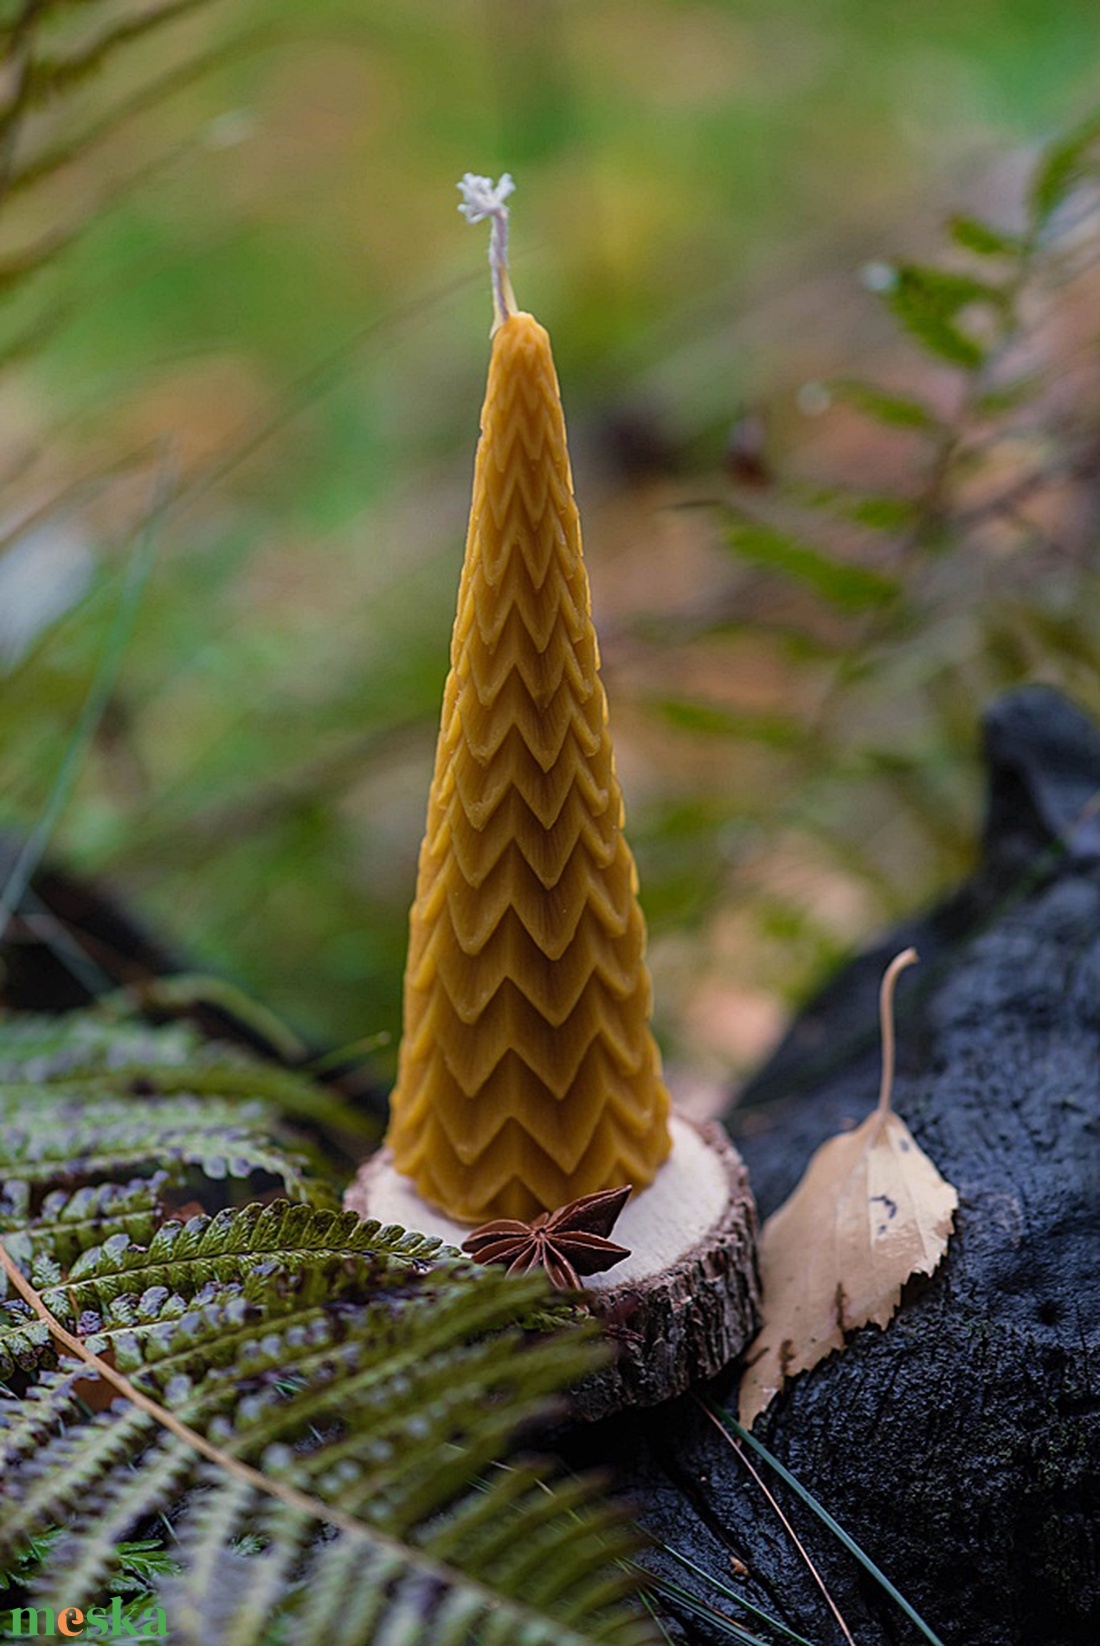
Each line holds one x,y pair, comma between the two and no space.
870,1211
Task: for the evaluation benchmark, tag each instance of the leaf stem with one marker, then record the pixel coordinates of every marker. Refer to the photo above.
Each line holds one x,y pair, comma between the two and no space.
908,957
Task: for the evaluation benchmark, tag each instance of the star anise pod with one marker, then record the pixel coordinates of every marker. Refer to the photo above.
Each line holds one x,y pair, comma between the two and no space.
567,1243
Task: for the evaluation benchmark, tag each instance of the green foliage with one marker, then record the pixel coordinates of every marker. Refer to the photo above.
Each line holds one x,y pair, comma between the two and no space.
55,48
897,411
932,304
82,1101
775,730
974,235
113,1055
242,772
142,1566
883,620
371,1376
850,587
253,249
1073,160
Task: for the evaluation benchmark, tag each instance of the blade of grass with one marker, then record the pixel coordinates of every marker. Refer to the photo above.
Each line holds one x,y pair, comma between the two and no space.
698,1608
789,1529
655,1616
352,1054
186,991
837,1530
731,1594
99,693
43,926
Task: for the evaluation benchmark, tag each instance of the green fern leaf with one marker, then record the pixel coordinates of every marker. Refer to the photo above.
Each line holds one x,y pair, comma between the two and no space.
87,1101
364,1367
1064,165
900,411
981,238
928,302
342,1392
85,1053
37,1048
844,585
69,1223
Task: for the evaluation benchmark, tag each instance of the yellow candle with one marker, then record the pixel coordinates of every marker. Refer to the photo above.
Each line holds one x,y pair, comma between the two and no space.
528,1073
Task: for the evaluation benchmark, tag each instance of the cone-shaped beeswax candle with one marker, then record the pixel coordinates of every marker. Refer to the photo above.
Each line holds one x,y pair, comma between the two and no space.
528,1074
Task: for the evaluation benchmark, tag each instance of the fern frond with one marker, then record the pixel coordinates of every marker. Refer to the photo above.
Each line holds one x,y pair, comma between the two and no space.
361,1385
65,1141
85,1101
85,1054
69,1223
319,1402
36,1048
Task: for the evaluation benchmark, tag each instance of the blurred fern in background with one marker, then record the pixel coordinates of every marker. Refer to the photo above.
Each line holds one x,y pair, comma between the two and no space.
235,291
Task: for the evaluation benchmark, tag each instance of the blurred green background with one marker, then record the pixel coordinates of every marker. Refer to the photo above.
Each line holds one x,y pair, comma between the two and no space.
240,291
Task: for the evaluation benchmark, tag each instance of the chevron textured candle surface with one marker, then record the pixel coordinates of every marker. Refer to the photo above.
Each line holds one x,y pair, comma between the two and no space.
528,1074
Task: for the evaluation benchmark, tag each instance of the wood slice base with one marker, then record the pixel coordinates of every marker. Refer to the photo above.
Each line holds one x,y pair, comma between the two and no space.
684,1302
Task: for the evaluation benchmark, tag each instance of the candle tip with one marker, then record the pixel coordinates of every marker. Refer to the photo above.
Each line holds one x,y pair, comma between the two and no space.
482,198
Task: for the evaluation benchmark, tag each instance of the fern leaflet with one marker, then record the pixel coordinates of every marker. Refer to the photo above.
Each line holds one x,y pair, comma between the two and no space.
318,1403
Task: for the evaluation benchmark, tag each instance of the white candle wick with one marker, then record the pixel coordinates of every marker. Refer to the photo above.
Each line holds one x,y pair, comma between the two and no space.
482,198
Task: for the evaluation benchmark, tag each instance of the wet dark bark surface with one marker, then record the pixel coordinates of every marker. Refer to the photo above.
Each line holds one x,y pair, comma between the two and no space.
960,1447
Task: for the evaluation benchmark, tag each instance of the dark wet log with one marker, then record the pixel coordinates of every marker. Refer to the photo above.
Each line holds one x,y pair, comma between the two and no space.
961,1446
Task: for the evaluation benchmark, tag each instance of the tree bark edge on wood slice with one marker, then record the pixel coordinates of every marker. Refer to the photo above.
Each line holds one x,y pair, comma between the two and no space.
685,1302
682,1323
